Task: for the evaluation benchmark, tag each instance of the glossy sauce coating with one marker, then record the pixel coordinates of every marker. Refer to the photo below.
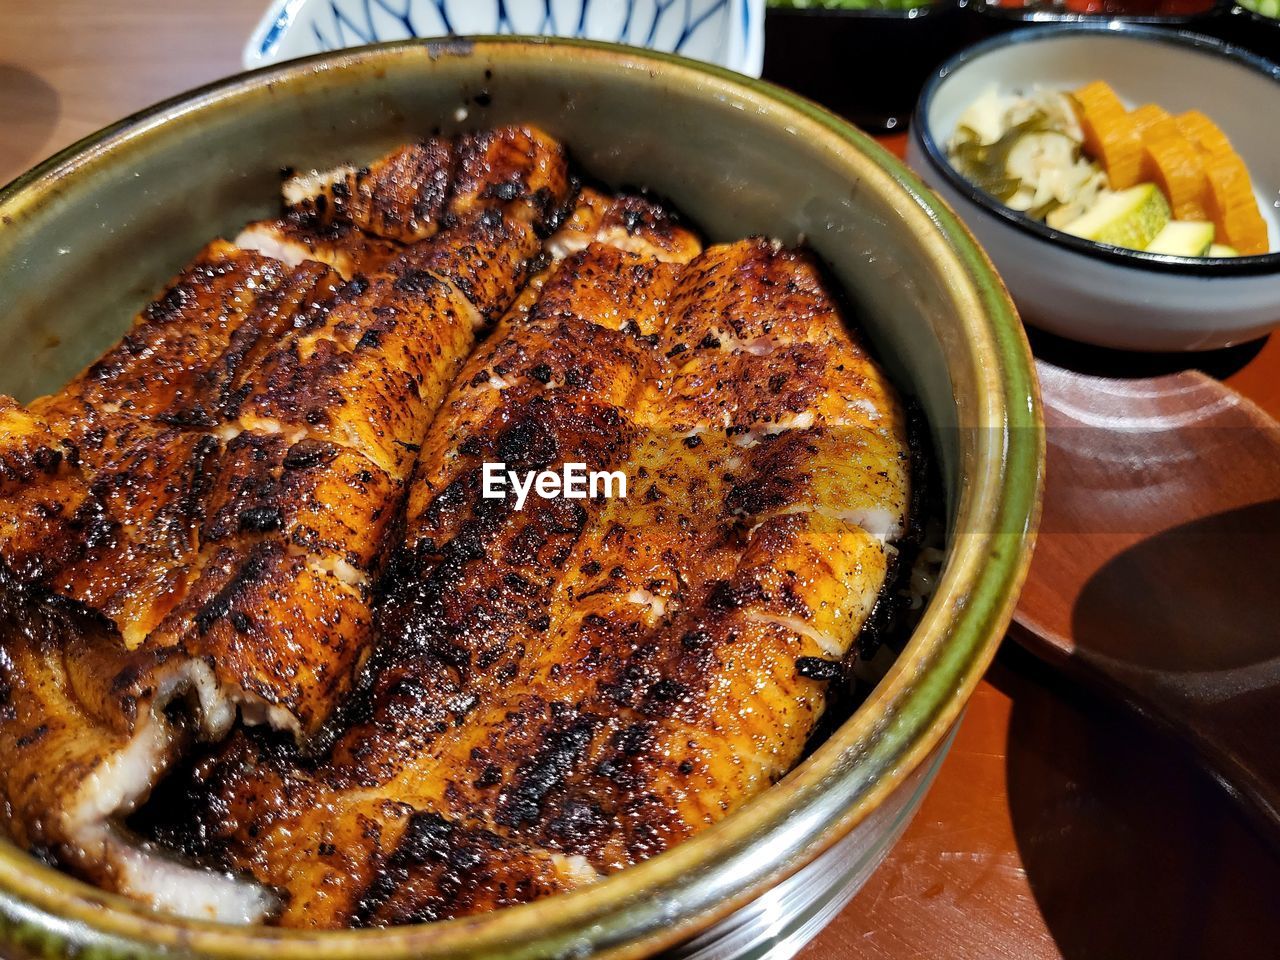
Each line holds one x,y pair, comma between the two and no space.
490,704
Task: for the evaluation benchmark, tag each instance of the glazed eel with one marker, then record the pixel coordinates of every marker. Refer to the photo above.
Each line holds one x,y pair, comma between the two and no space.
530,698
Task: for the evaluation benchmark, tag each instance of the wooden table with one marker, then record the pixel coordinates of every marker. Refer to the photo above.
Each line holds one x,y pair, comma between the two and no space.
1059,825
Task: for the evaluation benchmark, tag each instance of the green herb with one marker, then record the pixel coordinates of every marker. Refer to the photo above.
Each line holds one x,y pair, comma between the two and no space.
984,163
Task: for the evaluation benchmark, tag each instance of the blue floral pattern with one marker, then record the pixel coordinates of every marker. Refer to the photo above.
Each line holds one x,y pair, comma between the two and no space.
728,32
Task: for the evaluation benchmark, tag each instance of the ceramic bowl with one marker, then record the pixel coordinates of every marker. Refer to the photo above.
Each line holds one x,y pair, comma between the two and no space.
725,32
1093,292
88,236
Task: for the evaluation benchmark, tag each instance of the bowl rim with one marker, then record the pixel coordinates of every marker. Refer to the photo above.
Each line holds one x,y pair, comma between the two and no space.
675,895
1200,267
1026,15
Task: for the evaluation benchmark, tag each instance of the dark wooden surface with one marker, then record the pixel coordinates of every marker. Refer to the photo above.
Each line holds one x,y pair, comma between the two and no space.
1060,826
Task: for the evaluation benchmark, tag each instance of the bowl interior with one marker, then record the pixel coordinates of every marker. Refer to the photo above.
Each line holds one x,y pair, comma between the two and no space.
1143,66
91,235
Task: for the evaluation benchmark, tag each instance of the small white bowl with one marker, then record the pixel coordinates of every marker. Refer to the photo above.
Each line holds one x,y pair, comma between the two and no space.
1095,292
725,32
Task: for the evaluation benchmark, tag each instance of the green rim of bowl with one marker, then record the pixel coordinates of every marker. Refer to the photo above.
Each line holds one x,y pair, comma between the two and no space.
683,891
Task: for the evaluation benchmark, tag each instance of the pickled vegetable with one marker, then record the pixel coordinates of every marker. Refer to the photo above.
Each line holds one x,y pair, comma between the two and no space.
1178,169
1131,218
1204,133
1110,134
988,164
1183,238
1085,164
1147,116
1233,206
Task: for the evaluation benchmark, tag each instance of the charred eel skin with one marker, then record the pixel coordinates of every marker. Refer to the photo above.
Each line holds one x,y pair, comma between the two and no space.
480,705
214,498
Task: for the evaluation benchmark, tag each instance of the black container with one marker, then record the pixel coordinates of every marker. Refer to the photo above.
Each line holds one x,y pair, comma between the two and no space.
1253,31
867,65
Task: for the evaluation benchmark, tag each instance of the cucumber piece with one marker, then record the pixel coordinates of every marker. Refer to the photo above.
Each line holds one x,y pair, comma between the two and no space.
1222,250
1267,8
1183,238
1130,218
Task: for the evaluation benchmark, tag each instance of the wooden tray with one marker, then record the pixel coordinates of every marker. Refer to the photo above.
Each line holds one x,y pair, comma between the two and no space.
1157,574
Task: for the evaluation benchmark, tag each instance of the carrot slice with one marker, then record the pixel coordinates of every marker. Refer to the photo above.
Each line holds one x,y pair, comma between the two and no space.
1110,134
1177,168
1147,116
1203,132
1161,128
1232,205
1156,126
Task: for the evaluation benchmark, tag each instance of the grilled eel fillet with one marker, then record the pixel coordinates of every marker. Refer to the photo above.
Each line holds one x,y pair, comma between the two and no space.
201,514
570,688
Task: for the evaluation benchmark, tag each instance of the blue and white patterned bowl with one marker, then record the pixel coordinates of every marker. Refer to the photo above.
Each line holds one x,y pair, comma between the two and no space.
726,32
